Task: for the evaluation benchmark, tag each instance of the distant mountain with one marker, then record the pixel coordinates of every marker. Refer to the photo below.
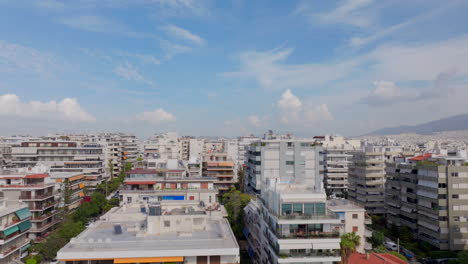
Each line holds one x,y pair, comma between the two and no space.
458,122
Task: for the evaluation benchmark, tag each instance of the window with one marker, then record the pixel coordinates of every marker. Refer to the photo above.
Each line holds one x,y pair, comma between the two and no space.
355,216
442,185
192,198
355,229
454,174
309,209
290,144
442,196
319,209
297,209
286,209
456,219
210,199
289,162
129,199
167,223
455,196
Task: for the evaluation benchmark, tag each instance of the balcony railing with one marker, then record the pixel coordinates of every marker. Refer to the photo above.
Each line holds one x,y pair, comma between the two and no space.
312,253
309,235
42,207
36,197
307,217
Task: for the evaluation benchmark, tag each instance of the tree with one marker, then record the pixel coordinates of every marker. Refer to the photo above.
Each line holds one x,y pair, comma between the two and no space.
349,243
377,238
234,202
111,168
240,179
405,234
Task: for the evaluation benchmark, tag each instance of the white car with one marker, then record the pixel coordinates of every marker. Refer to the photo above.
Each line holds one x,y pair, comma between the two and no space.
391,246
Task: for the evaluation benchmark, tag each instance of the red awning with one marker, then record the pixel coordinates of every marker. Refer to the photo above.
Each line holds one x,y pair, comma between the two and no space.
140,182
36,176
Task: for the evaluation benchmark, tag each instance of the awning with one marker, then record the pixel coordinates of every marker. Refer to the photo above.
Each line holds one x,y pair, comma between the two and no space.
81,194
24,226
10,230
149,260
25,247
23,213
140,182
74,178
81,185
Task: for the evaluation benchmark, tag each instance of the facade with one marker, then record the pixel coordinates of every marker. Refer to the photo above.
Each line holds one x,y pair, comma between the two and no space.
184,148
220,167
62,156
15,223
367,181
37,191
286,158
70,189
242,144
196,148
430,197
162,184
164,232
355,219
337,156
162,146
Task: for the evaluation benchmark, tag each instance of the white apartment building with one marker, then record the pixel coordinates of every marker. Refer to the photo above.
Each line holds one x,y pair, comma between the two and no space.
162,232
15,223
62,156
337,156
285,159
196,148
162,146
242,144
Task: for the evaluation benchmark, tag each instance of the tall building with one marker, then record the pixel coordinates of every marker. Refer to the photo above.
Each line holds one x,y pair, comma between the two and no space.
184,148
37,191
162,146
429,195
62,156
15,223
286,158
367,181
289,221
156,232
336,152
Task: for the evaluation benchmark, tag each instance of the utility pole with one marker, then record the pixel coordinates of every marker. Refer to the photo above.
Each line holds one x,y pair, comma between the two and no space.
398,245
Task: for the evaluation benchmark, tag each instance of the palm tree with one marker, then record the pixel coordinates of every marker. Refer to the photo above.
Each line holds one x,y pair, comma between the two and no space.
349,243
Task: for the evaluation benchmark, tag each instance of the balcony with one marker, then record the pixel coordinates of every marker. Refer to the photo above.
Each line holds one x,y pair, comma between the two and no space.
43,217
42,207
309,235
4,253
323,255
36,197
43,228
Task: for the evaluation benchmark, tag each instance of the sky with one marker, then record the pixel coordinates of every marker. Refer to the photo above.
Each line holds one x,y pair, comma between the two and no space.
230,67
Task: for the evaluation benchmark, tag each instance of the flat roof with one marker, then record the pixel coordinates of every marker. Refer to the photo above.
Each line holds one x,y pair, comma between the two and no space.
100,241
343,205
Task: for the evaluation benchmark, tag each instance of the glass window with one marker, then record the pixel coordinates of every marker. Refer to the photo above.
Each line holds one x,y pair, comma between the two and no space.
292,228
297,209
309,209
286,209
319,209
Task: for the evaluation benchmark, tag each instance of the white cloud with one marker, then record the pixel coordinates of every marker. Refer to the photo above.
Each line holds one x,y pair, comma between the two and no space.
156,117
412,62
290,107
318,113
18,57
347,12
68,109
183,34
129,72
181,8
92,23
172,49
254,120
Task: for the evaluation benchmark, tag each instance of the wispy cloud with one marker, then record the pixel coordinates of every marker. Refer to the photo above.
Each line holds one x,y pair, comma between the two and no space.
292,110
347,12
131,73
145,58
181,8
93,23
183,34
17,57
173,49
66,110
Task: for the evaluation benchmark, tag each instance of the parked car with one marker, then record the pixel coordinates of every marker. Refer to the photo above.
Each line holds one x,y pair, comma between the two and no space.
391,246
54,261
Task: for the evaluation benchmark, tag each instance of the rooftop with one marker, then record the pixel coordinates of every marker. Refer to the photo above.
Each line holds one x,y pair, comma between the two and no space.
343,205
193,231
375,258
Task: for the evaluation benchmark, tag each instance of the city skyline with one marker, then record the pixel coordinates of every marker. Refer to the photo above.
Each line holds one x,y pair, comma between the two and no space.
229,68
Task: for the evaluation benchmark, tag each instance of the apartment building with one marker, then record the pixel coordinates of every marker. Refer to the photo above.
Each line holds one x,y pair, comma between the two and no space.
156,232
429,195
62,156
196,148
367,181
37,191
336,153
286,158
162,146
130,151
112,153
220,167
162,184
355,219
69,188
15,222
242,144
184,148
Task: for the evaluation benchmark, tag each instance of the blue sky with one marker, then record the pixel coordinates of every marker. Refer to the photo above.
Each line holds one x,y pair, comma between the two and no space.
230,67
